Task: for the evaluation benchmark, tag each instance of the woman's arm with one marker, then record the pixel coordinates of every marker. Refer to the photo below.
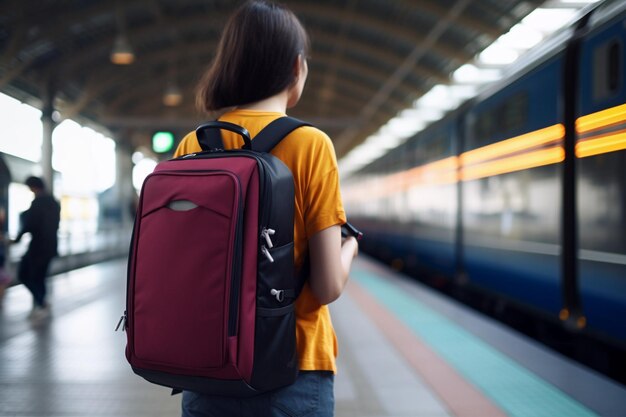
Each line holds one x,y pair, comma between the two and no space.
330,263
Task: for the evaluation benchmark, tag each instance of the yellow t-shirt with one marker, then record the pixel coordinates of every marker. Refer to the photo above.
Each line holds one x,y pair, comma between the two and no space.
310,155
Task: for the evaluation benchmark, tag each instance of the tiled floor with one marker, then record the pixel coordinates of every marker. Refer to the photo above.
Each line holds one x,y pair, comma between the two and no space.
73,364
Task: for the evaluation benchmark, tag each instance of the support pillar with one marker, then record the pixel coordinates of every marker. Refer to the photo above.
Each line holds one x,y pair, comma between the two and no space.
126,194
49,125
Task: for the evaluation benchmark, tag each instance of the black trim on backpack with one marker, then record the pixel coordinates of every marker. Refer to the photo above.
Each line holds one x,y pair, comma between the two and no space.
274,132
209,136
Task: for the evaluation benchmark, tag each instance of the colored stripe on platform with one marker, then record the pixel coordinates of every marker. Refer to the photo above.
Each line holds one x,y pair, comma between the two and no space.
511,387
461,398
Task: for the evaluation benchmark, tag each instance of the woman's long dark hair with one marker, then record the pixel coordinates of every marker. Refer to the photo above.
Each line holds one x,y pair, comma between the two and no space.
255,56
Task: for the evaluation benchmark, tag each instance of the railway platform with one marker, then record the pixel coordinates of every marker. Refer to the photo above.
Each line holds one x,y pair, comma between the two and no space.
405,351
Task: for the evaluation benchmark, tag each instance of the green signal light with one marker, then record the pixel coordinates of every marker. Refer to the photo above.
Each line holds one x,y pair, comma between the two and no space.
162,142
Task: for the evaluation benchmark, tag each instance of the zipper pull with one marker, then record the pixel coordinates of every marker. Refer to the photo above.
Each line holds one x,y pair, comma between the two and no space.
119,323
266,252
279,294
266,233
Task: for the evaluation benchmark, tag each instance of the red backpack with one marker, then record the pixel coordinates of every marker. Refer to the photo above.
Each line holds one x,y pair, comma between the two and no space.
211,279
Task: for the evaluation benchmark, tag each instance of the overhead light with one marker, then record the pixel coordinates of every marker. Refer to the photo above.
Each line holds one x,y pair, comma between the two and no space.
549,20
470,73
122,53
521,36
498,54
438,98
401,127
428,114
462,92
172,96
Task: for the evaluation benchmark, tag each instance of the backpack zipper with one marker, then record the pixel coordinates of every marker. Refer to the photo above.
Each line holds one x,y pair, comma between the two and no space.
235,280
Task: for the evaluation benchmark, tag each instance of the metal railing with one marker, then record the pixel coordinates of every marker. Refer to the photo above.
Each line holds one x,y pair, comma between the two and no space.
78,249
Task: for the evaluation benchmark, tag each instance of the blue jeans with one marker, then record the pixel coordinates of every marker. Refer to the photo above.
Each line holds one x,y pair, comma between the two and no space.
312,395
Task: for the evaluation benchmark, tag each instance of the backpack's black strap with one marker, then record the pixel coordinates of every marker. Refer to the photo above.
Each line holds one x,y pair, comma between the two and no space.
270,136
274,132
265,141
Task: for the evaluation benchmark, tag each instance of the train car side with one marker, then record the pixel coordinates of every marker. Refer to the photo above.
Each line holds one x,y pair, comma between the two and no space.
519,196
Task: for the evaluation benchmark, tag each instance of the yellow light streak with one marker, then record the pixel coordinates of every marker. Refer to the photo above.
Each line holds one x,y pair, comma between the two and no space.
497,158
610,142
514,163
443,171
438,172
601,119
515,144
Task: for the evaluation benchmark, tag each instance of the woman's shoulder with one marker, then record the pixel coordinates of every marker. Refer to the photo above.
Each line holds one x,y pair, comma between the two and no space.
307,146
311,136
188,144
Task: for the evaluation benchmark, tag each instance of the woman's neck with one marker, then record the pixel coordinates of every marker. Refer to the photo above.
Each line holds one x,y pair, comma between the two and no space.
277,103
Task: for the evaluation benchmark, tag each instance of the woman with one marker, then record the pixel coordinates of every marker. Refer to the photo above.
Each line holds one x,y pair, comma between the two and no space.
259,71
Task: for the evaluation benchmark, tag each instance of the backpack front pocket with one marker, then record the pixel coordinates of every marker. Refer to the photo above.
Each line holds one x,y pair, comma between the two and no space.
185,285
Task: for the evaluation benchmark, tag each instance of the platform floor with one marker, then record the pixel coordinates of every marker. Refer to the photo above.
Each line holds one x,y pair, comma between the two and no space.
404,352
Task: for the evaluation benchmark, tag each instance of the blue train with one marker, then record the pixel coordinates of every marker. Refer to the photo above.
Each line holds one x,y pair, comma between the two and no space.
516,201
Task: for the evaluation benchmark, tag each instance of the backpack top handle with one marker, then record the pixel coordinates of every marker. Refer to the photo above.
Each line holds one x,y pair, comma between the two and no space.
209,136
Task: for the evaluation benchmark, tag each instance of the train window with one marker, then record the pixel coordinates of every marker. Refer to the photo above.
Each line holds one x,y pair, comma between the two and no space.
485,126
607,73
432,149
514,113
614,67
501,120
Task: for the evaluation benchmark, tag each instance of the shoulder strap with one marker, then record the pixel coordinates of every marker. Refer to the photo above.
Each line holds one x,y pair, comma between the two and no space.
265,141
274,132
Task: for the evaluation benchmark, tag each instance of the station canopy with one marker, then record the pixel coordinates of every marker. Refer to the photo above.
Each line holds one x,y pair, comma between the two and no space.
370,59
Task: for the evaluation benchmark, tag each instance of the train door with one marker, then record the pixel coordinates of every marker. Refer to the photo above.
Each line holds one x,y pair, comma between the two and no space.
601,172
512,179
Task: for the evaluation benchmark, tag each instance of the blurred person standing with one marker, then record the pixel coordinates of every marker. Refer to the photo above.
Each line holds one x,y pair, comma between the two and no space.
41,220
